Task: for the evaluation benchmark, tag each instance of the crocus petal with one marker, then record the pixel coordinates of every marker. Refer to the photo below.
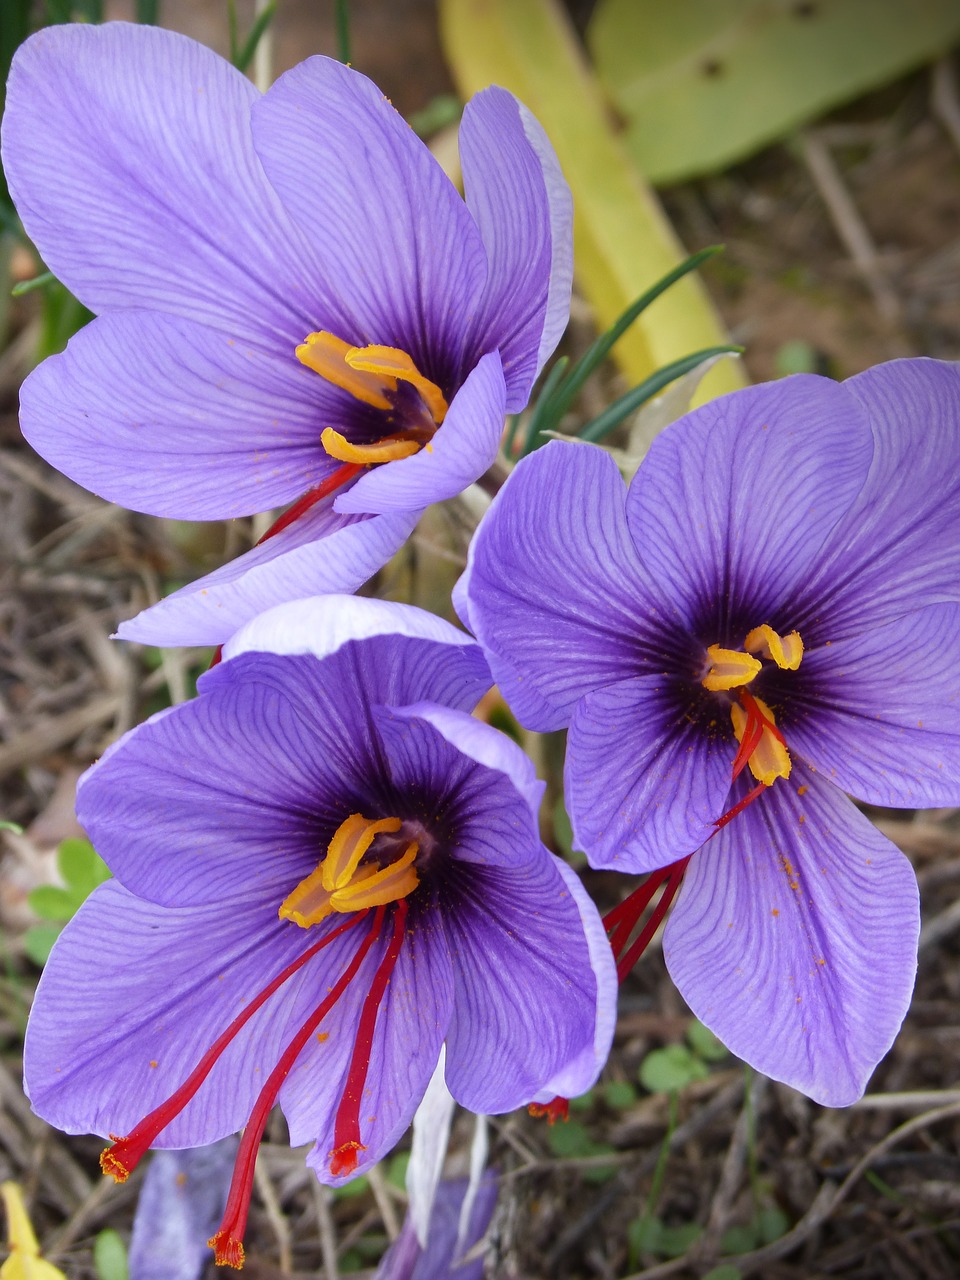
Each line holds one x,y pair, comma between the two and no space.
394,239
494,823
134,994
554,593
528,999
794,939
176,419
516,192
577,1075
905,526
180,1204
411,1025
735,500
440,1258
530,988
320,552
142,188
484,744
888,727
461,451
644,785
226,795
416,655
428,1149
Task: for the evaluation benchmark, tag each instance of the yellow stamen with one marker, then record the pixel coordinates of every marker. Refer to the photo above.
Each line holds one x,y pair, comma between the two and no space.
341,883
390,363
770,759
326,354
388,450
730,668
785,651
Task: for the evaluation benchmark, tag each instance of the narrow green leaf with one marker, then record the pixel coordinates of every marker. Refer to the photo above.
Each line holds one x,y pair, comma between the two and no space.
602,425
343,30
15,827
27,286
244,56
148,12
599,350
539,418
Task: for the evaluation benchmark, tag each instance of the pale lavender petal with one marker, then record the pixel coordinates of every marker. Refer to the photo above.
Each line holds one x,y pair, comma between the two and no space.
517,194
321,552
794,939
129,156
224,796
171,417
577,1075
462,450
322,625
900,551
484,744
555,596
428,1149
886,723
527,999
394,239
644,782
734,502
438,1260
134,994
181,1201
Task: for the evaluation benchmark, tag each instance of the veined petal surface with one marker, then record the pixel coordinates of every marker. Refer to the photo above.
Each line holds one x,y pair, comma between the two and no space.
142,188
522,205
898,551
395,242
461,451
794,938
134,994
176,419
554,593
643,785
888,727
320,552
733,503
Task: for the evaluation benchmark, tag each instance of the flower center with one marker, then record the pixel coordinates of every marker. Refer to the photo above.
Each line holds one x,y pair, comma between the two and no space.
368,864
386,379
762,745
349,878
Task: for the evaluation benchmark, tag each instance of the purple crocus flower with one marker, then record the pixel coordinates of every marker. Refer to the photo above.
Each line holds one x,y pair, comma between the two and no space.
294,303
325,871
767,618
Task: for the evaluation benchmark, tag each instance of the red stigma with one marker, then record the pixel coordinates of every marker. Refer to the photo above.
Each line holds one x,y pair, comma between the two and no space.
623,919
121,1159
556,1109
346,1130
228,1238
334,481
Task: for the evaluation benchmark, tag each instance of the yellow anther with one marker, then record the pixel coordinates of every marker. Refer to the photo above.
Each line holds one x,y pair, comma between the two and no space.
350,842
391,363
339,447
785,651
770,759
341,883
326,354
729,669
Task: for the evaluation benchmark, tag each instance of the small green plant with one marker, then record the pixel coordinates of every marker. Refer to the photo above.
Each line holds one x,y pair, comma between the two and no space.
81,869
